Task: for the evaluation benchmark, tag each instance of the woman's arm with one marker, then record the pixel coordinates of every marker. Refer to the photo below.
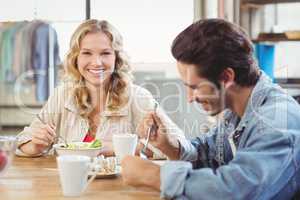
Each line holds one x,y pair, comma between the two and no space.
39,136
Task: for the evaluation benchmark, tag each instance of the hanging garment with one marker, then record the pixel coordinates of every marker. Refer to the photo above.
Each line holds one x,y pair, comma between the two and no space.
45,50
25,48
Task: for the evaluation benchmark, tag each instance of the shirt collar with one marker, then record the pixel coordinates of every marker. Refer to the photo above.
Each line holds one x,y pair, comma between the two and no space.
257,97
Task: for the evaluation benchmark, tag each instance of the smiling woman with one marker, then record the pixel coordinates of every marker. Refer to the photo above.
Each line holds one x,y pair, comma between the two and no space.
97,56
97,98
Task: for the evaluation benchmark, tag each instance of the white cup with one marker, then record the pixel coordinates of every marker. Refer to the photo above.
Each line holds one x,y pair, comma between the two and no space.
124,144
73,173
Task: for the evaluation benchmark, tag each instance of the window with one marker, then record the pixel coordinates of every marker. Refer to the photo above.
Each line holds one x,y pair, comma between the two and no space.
148,27
64,15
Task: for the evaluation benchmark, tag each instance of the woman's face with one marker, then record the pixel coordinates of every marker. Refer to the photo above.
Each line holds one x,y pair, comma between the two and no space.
96,59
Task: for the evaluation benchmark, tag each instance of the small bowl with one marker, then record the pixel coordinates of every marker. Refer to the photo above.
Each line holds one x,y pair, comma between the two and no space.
7,150
91,152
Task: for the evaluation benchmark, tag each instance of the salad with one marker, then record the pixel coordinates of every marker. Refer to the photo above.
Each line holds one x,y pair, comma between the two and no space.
84,145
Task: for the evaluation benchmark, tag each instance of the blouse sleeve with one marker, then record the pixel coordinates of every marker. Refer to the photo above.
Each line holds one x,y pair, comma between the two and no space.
50,114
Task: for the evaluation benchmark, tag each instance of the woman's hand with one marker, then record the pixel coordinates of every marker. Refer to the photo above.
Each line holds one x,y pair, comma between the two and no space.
42,138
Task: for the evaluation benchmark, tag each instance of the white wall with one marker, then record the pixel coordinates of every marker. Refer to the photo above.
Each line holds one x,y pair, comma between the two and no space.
148,27
287,53
60,13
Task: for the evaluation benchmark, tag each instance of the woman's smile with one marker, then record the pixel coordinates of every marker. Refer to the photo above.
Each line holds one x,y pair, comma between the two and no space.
97,72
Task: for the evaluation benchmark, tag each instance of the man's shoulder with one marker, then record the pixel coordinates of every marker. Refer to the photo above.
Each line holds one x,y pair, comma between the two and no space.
278,99
277,110
268,97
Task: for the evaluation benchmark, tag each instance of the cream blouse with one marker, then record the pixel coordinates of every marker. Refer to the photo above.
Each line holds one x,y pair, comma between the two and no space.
61,111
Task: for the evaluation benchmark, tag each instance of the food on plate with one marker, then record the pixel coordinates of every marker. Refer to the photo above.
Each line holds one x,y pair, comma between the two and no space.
107,165
95,144
83,145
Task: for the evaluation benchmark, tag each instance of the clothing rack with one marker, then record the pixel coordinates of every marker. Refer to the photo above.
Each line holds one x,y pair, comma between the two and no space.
28,49
43,72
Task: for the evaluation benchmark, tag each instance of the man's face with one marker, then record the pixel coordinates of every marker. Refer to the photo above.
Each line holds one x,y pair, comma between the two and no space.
200,89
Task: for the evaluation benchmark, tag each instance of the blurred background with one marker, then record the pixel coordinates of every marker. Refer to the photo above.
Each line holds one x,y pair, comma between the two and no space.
35,35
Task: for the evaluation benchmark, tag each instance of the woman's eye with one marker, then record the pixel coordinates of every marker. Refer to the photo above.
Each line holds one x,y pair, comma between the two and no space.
85,53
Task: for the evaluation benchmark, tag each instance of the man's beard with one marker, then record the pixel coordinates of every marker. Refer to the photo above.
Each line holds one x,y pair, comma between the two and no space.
214,107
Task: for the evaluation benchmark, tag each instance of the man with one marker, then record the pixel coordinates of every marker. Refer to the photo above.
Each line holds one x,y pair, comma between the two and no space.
253,152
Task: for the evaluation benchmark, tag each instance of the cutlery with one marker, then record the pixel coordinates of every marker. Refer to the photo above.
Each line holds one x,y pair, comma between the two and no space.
151,129
57,137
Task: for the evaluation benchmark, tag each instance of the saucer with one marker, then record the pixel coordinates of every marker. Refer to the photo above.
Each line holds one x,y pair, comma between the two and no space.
114,174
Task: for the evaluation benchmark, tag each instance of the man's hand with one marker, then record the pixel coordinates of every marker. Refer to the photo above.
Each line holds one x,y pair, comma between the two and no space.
139,172
159,138
138,149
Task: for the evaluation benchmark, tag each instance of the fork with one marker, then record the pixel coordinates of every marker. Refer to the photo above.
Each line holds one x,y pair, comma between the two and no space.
150,130
57,137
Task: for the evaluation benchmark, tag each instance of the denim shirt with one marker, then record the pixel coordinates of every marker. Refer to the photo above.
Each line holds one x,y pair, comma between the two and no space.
265,164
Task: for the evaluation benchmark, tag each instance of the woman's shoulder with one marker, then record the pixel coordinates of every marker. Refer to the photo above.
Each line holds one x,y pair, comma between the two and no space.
141,98
137,90
63,89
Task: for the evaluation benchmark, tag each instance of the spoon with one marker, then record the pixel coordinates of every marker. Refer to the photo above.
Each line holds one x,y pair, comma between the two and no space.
150,130
58,136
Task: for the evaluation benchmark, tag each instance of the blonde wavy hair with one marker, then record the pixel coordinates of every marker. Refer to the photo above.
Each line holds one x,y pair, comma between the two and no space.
120,78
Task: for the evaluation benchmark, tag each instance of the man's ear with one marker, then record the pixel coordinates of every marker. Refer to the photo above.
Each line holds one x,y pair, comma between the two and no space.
227,77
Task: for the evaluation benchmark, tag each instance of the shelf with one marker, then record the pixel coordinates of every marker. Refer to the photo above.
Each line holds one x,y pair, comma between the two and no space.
287,80
263,2
21,106
10,116
274,37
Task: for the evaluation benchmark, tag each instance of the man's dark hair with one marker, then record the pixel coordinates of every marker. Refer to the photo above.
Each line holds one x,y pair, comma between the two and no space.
213,45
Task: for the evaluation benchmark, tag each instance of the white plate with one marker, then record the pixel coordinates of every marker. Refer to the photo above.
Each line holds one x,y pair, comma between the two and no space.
109,175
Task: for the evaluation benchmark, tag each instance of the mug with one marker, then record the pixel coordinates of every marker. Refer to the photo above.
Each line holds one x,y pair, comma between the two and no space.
73,173
124,144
